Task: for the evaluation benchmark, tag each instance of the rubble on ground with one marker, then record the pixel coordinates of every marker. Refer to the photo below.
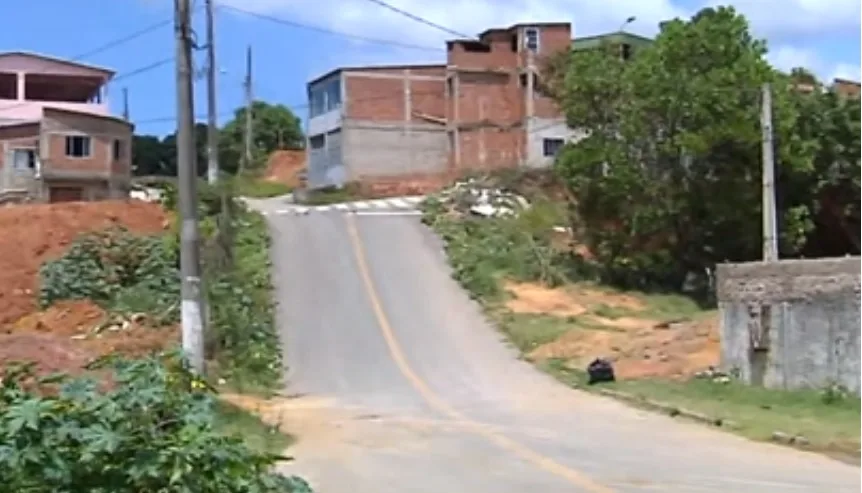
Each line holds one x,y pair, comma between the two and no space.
476,197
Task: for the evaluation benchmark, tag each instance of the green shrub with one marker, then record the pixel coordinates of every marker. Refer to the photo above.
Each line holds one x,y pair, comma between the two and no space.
118,270
482,251
152,432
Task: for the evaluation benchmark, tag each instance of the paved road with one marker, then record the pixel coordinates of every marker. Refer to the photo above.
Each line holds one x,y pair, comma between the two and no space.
402,386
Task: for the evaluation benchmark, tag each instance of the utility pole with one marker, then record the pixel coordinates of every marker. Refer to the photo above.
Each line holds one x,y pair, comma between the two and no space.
249,100
770,228
126,103
190,265
212,122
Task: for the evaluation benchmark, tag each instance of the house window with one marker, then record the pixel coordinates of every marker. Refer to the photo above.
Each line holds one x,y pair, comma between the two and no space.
78,146
24,159
531,39
626,51
550,147
118,149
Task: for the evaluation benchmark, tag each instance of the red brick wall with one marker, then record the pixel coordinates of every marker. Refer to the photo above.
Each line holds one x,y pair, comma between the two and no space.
493,97
501,148
501,55
380,97
57,125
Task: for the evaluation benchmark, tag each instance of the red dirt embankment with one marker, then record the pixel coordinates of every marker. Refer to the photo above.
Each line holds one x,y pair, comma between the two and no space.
285,167
68,334
33,234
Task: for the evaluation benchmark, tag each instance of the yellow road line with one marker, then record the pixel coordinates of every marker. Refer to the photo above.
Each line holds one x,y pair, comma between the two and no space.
572,476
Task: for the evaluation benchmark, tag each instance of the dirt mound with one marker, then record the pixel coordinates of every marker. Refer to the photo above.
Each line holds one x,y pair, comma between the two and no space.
285,167
36,233
621,328
69,334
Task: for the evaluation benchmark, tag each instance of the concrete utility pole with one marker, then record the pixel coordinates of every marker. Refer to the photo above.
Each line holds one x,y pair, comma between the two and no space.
190,264
212,113
249,101
770,227
126,103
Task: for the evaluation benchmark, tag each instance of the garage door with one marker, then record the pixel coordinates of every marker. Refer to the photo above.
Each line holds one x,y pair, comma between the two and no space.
66,194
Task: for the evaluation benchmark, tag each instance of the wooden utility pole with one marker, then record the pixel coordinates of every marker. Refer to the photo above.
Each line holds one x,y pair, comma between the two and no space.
191,307
126,103
249,101
212,113
770,227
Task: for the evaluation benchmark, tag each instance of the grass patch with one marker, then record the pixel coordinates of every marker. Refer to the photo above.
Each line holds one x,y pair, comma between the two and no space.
527,331
828,421
257,435
483,252
258,188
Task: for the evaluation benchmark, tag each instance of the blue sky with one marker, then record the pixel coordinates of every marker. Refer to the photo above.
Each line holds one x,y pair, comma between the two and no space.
820,34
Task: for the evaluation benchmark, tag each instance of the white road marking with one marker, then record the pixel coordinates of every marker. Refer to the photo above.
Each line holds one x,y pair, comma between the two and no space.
388,213
379,203
342,207
399,202
361,205
322,208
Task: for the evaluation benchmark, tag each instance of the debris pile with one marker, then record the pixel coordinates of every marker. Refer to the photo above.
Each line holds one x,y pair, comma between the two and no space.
476,197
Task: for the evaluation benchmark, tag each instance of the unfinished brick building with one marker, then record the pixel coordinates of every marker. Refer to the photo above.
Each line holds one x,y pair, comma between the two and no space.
483,109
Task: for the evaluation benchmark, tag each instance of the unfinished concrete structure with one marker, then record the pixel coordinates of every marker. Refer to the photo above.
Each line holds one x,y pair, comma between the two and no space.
483,109
791,324
57,139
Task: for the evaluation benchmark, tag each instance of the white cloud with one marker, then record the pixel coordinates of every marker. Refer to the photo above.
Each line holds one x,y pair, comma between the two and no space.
790,18
467,16
788,57
782,21
846,71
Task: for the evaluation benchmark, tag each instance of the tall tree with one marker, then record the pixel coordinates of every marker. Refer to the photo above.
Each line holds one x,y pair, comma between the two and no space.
275,127
668,179
152,155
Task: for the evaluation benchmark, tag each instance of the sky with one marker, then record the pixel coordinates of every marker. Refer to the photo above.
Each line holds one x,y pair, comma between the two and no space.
823,35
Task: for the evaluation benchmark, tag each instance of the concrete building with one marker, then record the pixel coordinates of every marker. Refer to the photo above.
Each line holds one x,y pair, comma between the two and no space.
58,141
483,109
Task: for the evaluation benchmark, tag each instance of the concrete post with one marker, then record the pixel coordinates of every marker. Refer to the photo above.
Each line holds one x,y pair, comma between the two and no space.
21,79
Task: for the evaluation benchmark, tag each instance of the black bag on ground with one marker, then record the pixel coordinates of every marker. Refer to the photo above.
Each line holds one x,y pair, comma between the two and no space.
600,370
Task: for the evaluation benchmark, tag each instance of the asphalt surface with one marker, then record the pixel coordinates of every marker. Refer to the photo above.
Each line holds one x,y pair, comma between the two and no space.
399,384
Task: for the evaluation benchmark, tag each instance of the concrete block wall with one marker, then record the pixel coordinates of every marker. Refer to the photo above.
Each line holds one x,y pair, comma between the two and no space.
377,149
791,324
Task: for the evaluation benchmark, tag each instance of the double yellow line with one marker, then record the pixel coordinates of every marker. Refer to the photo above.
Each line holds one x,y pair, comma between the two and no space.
545,463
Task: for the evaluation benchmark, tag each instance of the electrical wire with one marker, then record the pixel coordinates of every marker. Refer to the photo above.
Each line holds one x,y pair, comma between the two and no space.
419,19
145,68
309,27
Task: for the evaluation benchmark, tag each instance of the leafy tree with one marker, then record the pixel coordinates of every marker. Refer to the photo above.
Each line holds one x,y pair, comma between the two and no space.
829,188
275,127
154,156
668,179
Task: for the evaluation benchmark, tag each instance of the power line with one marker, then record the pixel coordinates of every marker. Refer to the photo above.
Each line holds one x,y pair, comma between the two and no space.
123,40
419,19
309,27
145,68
